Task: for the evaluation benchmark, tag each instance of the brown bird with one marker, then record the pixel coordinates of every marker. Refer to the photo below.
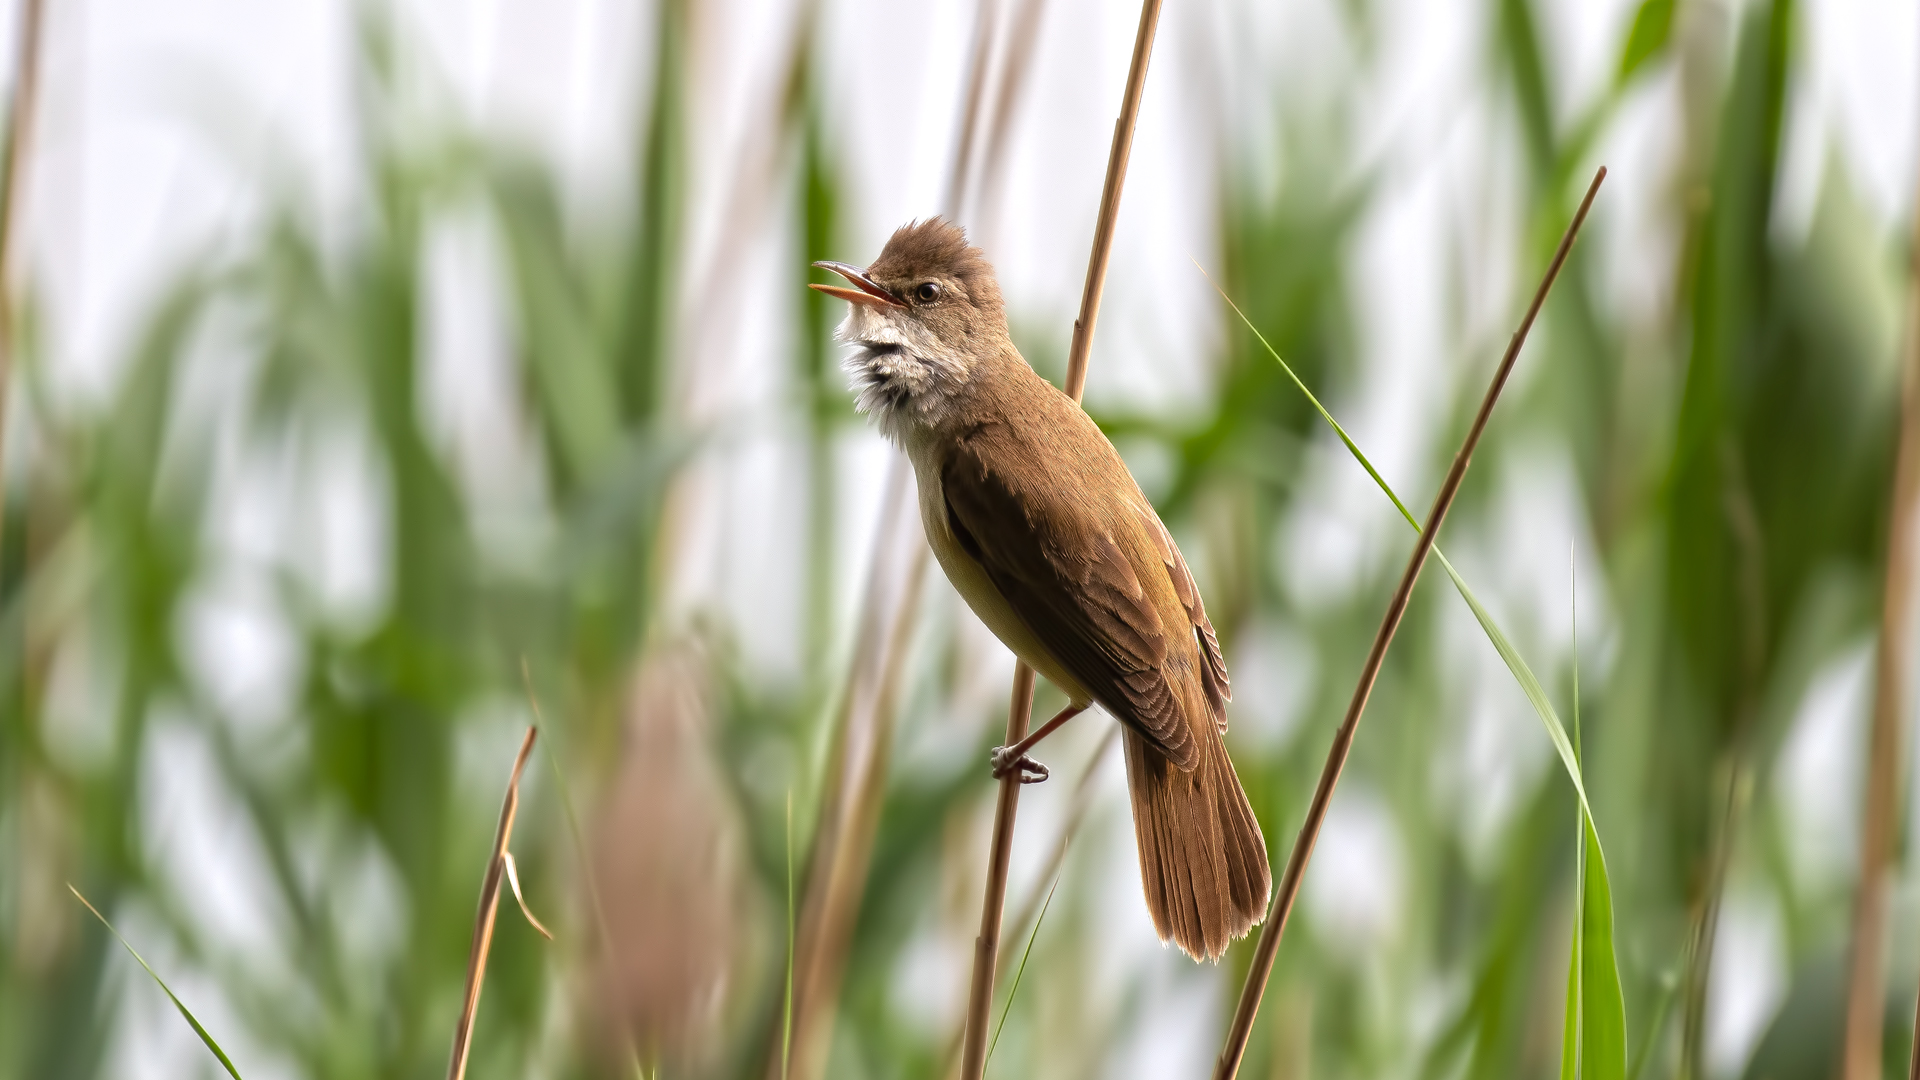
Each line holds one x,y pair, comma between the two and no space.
1041,528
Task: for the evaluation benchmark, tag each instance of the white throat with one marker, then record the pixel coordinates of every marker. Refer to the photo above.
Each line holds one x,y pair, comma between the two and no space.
903,376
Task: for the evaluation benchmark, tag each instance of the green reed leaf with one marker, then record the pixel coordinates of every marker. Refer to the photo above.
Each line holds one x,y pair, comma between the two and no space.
1603,1010
185,1012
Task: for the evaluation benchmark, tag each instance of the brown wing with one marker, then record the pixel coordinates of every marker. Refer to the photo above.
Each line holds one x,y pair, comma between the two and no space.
1076,580
1213,666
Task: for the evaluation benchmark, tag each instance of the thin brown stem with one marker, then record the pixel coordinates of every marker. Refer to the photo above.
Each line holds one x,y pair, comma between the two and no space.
1103,226
967,138
843,876
489,907
1866,992
986,950
986,947
1013,81
1029,909
1276,920
859,724
854,785
1867,982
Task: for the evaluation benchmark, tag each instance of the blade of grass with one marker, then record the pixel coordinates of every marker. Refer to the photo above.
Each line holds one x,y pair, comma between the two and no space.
1529,683
1014,990
786,1024
1570,1023
1601,983
185,1012
489,907
1082,800
1268,949
1669,990
1576,970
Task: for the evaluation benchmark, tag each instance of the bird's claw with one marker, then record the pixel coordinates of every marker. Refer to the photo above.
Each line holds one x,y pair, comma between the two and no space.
1031,771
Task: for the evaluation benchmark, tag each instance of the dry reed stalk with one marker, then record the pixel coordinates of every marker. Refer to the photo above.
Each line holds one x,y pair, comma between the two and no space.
979,60
706,323
1867,982
850,809
1103,227
986,947
499,866
852,790
986,950
1081,801
1276,920
1078,805
1013,81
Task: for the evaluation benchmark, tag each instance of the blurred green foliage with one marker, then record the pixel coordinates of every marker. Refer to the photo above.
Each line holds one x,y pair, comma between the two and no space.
1732,461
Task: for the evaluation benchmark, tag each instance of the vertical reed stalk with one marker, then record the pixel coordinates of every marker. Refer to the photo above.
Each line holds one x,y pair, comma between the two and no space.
1109,217
1021,40
1029,911
967,141
1276,920
1867,982
855,783
973,1055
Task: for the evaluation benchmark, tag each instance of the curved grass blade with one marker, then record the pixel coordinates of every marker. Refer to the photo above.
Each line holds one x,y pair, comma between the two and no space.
1603,1005
185,1012
786,1022
1019,971
1570,1028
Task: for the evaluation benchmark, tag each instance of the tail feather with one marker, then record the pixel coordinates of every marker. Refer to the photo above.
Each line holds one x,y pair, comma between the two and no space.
1203,861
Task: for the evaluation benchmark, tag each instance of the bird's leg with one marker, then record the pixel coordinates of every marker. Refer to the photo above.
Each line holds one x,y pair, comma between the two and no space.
1007,759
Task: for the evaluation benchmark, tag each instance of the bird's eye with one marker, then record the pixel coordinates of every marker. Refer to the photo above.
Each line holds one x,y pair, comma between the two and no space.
927,292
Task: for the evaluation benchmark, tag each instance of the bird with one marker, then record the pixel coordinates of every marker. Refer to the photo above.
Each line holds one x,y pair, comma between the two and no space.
1043,531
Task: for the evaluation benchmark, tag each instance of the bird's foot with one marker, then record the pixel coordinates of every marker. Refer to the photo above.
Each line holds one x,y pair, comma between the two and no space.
1031,771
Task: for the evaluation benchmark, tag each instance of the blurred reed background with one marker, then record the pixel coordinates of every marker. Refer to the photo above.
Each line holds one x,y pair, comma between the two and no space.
363,352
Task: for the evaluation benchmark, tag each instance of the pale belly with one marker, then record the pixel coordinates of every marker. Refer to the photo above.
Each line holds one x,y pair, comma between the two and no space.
970,580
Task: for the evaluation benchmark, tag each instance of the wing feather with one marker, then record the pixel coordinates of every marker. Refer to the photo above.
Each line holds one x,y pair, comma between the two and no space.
1213,666
1075,576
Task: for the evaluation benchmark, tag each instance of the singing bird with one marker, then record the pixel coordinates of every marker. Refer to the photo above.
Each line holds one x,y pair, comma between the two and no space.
1044,532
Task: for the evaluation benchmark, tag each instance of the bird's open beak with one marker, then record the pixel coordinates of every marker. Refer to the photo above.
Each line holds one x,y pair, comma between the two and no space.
867,293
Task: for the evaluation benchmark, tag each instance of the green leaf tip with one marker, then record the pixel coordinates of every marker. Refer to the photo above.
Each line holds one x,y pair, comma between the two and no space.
185,1012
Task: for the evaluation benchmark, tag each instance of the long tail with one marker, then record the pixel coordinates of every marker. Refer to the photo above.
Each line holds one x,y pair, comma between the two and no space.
1203,861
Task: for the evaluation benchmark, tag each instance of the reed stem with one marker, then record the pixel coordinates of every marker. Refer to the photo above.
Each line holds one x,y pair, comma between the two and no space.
1867,981
853,790
986,950
1276,920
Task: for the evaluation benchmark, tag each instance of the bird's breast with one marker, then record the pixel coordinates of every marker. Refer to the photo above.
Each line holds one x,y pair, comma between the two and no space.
971,580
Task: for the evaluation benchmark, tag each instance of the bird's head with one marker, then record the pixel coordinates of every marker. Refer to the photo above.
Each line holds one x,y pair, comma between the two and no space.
921,318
